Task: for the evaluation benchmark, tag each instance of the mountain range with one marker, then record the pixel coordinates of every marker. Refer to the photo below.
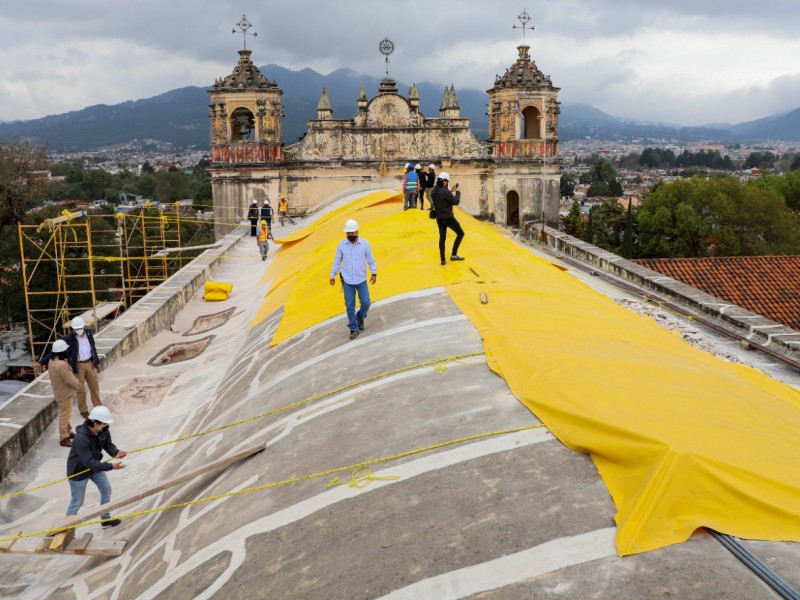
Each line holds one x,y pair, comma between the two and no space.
180,116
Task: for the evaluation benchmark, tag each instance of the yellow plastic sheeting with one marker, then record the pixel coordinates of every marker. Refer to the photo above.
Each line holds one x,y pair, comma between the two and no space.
405,245
682,439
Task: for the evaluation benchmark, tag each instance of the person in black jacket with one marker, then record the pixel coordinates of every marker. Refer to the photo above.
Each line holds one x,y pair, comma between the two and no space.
443,201
252,214
266,215
84,461
423,184
430,182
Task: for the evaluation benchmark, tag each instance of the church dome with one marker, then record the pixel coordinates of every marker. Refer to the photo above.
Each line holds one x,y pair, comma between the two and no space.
523,73
245,76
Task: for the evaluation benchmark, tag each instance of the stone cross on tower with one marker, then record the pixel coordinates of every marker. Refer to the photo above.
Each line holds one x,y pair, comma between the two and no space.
523,18
243,26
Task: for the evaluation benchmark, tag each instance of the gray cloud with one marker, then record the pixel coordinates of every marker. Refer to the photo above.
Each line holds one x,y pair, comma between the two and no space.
620,56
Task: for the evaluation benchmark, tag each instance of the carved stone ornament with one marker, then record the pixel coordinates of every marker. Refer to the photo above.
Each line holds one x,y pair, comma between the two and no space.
389,111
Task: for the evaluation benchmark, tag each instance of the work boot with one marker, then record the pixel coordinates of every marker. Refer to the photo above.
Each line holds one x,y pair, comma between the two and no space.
66,442
85,415
71,434
361,324
354,333
455,257
111,523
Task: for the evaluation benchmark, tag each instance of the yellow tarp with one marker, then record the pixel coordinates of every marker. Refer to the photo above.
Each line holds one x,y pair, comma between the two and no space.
682,439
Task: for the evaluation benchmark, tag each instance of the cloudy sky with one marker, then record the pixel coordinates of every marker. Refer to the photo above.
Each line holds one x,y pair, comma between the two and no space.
678,61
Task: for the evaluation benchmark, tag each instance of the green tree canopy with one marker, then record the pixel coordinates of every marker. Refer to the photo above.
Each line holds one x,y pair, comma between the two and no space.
715,217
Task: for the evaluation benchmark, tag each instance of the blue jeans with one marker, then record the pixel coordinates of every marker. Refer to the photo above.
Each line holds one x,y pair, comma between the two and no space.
350,302
78,491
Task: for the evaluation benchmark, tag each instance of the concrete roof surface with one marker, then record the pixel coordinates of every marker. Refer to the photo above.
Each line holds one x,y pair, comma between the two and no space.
390,472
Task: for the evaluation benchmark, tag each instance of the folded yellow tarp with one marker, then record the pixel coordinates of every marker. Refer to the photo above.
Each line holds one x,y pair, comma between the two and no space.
682,439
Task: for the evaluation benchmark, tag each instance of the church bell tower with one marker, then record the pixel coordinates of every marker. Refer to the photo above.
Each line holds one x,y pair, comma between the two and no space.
523,131
245,112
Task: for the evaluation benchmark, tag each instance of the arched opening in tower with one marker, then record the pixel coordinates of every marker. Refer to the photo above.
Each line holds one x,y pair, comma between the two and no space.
532,120
512,209
243,125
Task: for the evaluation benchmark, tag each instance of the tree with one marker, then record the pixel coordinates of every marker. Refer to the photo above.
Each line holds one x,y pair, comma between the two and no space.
573,222
608,226
567,186
20,188
627,240
716,217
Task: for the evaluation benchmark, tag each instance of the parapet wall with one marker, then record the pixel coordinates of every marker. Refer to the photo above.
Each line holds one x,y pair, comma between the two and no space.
753,327
25,416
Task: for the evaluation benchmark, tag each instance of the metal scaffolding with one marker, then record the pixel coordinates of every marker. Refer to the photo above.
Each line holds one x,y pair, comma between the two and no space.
94,266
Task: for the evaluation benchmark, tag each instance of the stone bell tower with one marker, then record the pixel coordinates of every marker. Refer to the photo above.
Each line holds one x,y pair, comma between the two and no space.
245,111
523,131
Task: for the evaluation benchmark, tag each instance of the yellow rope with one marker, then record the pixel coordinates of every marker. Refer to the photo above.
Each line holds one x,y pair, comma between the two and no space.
264,414
355,468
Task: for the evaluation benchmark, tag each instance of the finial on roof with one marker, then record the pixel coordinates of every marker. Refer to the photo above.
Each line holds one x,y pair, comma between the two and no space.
243,25
386,47
523,18
324,108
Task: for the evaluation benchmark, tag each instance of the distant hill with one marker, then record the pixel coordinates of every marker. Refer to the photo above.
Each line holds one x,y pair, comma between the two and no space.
776,127
180,116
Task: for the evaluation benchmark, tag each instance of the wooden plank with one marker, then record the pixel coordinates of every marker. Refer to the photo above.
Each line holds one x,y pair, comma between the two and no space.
217,464
61,539
93,547
6,546
79,546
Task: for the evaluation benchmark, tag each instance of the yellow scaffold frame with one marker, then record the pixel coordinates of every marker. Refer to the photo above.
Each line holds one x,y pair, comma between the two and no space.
63,260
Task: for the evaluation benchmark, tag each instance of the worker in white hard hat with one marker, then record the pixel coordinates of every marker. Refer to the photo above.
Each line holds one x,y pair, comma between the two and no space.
410,186
85,461
84,361
262,239
65,384
353,256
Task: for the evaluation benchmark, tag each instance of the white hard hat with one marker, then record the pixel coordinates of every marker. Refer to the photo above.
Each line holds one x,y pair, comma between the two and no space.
60,346
431,166
77,323
417,166
444,175
102,414
350,226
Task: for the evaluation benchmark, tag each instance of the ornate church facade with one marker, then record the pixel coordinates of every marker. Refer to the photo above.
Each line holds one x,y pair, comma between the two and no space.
512,176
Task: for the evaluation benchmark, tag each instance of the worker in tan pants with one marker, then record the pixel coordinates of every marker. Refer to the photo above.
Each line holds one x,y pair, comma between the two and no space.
85,364
65,384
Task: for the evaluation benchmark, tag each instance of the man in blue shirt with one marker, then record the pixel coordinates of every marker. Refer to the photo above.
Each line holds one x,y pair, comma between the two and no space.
352,257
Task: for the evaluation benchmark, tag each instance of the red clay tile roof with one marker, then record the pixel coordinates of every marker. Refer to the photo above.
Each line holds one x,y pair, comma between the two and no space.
766,285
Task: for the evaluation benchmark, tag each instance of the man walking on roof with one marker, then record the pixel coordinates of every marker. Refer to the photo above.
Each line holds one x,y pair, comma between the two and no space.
84,461
65,384
353,255
283,210
263,240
